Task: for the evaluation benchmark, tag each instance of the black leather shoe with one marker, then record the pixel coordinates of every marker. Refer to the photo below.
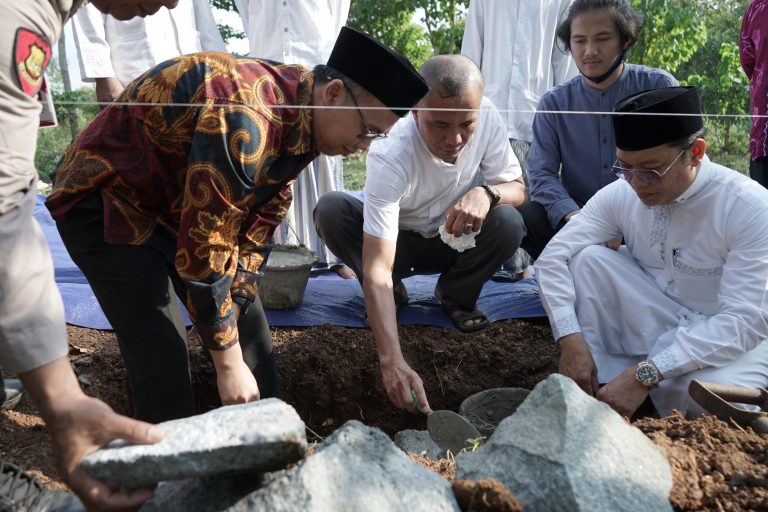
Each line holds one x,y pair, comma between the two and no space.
11,391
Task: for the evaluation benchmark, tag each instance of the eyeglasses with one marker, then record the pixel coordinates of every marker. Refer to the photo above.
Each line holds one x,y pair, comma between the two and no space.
649,176
368,134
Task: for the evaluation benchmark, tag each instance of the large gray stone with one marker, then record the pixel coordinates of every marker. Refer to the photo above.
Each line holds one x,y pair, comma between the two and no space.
264,435
356,468
418,442
563,450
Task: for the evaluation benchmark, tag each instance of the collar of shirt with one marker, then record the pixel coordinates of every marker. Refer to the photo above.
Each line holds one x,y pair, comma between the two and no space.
699,182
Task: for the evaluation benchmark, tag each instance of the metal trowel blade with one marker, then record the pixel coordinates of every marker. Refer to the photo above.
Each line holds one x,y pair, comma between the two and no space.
450,430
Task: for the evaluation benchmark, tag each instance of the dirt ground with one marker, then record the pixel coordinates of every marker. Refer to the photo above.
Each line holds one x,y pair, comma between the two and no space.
330,375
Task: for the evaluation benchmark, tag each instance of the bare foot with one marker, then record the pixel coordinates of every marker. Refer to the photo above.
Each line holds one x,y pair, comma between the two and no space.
344,271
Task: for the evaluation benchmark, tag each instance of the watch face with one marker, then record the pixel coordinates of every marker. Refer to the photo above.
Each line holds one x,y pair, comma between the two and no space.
646,374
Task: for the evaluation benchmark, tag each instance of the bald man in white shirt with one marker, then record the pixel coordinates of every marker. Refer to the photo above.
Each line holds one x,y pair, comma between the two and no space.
438,168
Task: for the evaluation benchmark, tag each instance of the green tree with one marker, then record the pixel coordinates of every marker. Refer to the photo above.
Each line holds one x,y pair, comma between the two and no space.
440,31
673,32
390,22
445,21
697,41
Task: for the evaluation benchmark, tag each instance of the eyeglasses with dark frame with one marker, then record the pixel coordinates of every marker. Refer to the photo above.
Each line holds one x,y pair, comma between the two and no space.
649,176
368,134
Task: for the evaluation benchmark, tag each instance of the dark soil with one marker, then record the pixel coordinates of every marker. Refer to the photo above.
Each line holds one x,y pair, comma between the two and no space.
330,375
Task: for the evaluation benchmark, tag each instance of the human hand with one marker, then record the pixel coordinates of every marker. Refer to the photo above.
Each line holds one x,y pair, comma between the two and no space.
624,393
614,243
87,425
234,379
107,90
80,425
576,362
400,381
468,213
237,385
568,216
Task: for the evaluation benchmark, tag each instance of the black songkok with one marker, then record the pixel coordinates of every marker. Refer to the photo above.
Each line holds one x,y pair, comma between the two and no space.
637,132
383,72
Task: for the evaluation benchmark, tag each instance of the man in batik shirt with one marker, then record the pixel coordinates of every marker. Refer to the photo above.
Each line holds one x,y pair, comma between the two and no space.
177,188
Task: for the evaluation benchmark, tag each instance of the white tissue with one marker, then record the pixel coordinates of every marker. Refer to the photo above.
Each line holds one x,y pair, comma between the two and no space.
458,243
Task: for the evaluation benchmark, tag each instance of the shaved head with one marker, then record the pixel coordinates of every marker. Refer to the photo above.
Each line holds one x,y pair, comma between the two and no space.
452,75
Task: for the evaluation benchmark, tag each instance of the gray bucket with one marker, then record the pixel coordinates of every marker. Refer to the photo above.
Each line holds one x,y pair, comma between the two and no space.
486,409
285,276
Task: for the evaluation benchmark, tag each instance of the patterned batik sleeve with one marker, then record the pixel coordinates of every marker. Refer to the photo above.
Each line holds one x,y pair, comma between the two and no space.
254,247
229,142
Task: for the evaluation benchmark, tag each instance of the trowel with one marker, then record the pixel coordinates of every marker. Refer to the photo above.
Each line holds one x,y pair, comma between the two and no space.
449,430
717,399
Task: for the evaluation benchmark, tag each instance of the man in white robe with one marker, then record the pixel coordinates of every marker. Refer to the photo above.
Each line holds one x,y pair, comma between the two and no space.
113,52
301,32
687,296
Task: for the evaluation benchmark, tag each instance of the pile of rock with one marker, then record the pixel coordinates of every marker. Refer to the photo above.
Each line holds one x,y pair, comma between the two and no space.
561,450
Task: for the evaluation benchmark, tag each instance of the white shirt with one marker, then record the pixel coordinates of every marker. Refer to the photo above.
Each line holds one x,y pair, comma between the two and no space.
108,47
708,251
407,187
514,43
293,31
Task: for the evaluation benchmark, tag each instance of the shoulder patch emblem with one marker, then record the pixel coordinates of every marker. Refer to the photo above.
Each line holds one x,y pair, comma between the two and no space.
32,52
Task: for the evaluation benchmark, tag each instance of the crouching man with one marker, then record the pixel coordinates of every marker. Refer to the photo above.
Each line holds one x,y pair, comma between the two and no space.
686,297
438,167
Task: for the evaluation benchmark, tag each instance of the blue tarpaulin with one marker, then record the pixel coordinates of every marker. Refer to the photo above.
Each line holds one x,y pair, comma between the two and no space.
327,300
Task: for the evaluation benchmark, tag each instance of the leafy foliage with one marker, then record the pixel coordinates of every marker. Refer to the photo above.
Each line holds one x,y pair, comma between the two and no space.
52,142
697,41
440,31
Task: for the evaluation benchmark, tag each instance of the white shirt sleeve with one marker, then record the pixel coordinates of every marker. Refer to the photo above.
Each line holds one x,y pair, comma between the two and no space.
89,26
210,37
593,225
384,187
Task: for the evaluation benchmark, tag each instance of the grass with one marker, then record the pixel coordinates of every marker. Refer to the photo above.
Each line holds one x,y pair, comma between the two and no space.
354,171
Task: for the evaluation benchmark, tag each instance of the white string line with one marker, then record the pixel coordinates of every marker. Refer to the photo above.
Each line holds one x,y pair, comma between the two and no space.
419,109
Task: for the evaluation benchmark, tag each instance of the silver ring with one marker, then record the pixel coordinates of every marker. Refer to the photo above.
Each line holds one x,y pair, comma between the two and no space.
468,225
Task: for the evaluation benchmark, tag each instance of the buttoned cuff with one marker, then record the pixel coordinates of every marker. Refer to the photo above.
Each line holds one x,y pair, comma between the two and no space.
245,285
220,336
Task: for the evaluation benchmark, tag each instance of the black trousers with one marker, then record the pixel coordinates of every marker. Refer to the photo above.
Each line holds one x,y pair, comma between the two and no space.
138,289
538,229
758,170
339,222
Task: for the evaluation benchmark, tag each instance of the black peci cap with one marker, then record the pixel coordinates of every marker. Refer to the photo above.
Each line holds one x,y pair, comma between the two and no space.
637,132
386,74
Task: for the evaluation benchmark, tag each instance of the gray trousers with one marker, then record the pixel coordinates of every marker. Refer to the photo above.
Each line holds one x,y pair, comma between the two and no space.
138,289
339,222
32,329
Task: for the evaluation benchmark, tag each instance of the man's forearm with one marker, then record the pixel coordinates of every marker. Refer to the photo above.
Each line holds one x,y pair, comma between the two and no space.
52,387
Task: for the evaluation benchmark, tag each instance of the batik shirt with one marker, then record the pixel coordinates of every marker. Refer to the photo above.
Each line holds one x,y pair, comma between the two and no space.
753,50
201,148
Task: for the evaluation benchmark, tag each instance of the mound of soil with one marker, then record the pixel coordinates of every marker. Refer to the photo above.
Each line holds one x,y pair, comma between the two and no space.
330,375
